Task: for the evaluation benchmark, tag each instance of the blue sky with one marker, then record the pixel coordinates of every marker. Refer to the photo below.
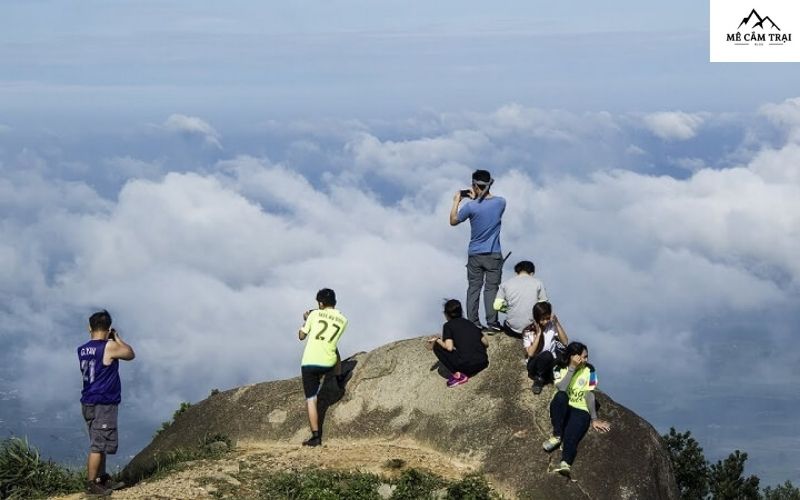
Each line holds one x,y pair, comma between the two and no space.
172,161
97,59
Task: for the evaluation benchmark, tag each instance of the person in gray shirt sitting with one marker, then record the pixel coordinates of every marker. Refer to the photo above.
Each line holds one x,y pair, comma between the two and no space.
517,297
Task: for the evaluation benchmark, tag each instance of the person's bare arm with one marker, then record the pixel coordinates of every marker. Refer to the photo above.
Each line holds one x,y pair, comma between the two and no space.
532,349
454,209
447,345
301,335
562,334
116,348
444,344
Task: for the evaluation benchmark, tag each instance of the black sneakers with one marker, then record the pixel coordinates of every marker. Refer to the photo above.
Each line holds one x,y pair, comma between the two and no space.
314,440
95,489
493,329
538,383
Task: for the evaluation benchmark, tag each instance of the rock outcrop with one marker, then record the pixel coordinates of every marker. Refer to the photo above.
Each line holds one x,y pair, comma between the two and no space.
396,392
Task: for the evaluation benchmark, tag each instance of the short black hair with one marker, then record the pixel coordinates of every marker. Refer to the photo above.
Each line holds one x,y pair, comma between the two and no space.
100,321
452,309
541,309
525,266
482,176
326,297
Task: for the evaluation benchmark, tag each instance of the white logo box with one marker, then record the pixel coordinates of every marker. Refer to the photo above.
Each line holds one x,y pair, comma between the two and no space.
754,31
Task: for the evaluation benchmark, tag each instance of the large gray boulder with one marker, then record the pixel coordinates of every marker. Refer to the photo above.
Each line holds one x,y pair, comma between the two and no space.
396,392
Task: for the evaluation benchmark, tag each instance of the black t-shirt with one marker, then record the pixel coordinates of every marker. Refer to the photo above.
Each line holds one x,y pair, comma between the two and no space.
466,340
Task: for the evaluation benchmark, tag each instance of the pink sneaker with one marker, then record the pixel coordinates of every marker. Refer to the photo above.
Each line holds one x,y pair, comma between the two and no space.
457,379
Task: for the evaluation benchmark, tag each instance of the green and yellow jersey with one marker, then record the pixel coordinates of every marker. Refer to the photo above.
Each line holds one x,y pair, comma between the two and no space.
324,328
583,380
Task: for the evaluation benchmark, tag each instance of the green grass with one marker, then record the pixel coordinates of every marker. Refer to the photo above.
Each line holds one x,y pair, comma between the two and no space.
185,405
414,484
23,474
318,484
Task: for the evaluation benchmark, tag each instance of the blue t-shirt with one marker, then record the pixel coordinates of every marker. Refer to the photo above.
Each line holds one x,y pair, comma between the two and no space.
484,220
101,384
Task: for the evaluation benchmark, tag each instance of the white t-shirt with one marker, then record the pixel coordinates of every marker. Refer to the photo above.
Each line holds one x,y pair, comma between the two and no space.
550,340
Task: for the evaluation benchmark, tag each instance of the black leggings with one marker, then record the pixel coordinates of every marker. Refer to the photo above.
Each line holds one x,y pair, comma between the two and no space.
570,424
541,366
452,361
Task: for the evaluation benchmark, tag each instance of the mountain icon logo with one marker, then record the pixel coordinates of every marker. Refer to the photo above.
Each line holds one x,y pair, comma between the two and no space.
761,20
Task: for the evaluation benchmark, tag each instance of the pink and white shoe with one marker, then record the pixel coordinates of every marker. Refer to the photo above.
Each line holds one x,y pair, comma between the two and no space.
457,379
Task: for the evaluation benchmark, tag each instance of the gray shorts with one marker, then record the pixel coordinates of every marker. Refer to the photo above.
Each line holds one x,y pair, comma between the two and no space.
101,420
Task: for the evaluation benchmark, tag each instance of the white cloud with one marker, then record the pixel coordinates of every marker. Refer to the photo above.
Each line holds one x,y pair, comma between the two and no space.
418,162
785,115
191,125
673,125
215,267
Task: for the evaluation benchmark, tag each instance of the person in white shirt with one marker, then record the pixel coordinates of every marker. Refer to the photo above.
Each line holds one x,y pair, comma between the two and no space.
544,341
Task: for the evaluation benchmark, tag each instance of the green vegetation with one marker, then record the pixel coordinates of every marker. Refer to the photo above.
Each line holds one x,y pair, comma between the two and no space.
326,484
785,491
316,484
23,474
724,480
472,487
415,483
185,405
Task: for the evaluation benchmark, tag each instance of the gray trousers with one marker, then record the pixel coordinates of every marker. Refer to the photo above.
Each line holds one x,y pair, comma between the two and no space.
488,269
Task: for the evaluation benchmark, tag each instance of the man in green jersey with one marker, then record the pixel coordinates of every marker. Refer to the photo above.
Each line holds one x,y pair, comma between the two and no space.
323,327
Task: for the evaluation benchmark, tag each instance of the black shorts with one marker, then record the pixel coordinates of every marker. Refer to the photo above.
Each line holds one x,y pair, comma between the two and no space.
101,421
311,379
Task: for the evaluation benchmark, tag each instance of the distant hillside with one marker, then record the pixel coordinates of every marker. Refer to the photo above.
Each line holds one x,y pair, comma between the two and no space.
396,400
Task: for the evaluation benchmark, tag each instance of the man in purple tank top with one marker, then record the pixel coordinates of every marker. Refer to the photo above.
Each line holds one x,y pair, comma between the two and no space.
101,395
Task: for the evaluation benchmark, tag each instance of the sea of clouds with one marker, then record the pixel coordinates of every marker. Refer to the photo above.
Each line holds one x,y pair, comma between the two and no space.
668,243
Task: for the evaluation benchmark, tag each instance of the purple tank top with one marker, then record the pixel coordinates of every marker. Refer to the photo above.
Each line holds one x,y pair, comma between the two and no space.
101,384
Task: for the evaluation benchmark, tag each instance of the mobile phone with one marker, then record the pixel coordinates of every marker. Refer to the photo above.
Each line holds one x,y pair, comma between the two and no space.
465,193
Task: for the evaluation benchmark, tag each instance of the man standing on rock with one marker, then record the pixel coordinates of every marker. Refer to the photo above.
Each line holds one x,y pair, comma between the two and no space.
101,395
323,327
485,259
